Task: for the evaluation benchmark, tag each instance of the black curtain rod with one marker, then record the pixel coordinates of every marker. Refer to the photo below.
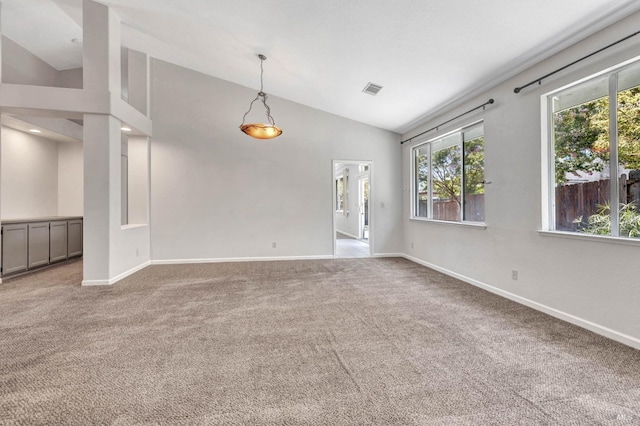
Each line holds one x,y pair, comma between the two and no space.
539,80
490,101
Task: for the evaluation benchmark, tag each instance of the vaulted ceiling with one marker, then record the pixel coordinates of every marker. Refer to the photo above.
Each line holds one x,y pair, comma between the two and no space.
425,53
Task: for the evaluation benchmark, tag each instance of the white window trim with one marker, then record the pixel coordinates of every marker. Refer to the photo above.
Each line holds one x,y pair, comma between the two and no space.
413,196
589,237
548,170
477,225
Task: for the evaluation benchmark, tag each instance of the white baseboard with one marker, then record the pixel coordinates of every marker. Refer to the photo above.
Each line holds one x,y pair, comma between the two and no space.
387,255
237,259
355,237
580,322
117,278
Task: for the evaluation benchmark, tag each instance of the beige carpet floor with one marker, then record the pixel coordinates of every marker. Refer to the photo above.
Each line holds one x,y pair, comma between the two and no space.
327,342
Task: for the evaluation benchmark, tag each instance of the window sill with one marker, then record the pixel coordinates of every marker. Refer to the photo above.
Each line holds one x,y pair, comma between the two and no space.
133,226
593,238
476,225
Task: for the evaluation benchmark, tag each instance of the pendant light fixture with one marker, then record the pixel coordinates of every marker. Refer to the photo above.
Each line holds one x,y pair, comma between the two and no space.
258,130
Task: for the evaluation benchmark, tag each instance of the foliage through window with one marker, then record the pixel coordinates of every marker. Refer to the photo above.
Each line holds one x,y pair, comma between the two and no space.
449,176
595,145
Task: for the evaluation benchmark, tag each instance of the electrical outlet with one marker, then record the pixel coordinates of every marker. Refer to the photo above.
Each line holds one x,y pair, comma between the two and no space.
411,244
137,252
514,274
273,245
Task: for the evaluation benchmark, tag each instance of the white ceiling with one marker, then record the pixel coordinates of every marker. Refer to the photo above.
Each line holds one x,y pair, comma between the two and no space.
321,53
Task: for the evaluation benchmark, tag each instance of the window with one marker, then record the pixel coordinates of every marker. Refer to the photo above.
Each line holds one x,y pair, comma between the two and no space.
449,176
594,141
339,194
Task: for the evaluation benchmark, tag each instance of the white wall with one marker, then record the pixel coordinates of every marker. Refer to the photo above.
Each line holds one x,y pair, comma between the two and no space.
19,66
70,179
217,193
29,175
589,282
71,79
40,177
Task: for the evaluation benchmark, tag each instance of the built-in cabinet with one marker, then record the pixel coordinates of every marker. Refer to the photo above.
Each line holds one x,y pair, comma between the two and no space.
30,244
58,241
38,244
74,237
15,250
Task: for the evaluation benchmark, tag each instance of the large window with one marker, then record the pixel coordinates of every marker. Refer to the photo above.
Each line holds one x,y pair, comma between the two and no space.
449,176
594,169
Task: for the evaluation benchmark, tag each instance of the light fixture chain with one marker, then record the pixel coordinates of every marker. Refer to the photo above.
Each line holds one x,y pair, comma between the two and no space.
261,74
266,107
249,110
262,94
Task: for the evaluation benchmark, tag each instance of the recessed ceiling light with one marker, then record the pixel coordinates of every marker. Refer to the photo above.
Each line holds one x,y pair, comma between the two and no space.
35,131
125,129
76,40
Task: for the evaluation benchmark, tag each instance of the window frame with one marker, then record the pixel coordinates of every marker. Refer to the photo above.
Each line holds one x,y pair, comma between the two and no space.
429,143
548,181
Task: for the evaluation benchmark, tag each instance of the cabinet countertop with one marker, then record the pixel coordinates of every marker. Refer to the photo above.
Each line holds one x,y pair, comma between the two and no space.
38,219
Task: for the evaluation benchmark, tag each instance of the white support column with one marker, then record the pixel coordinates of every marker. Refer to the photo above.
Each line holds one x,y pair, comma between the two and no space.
101,136
101,48
101,195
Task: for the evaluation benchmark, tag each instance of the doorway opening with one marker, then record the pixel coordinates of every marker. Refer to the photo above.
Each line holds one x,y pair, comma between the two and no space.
352,219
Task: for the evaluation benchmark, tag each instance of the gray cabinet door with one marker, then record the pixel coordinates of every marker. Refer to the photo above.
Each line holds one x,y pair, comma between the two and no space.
75,238
58,241
38,244
14,248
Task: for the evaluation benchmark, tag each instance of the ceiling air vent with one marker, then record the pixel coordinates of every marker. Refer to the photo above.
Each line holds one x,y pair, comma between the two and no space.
372,89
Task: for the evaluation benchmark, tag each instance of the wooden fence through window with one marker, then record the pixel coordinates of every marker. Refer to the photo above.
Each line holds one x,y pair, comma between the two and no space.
576,202
450,209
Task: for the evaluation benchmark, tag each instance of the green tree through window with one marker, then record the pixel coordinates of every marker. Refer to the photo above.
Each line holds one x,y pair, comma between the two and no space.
582,154
449,176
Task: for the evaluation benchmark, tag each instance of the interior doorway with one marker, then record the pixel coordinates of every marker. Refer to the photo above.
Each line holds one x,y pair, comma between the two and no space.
352,218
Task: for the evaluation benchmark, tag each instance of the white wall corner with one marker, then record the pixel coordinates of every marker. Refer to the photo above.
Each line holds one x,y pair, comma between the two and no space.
111,281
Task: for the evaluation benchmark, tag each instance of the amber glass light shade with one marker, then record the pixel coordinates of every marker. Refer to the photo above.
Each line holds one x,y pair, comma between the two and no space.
261,131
